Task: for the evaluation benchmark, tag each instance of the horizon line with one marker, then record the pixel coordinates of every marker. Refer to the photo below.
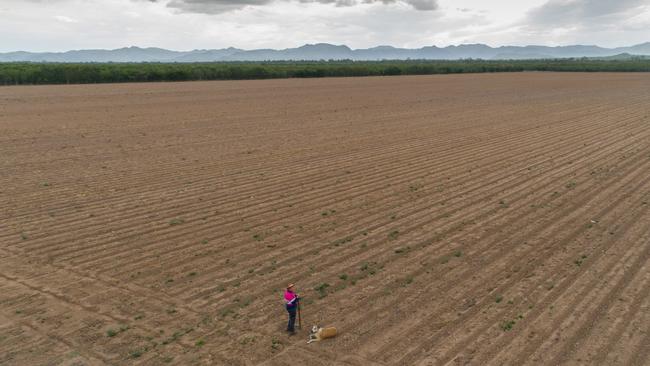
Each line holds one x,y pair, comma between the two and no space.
324,43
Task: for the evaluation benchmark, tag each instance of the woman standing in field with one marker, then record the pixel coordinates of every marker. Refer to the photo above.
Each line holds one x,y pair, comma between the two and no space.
291,302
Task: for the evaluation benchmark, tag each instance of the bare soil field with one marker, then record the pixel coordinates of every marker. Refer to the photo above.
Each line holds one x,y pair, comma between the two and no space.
487,219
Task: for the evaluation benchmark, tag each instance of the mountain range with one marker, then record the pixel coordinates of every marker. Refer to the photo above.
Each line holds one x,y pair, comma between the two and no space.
325,51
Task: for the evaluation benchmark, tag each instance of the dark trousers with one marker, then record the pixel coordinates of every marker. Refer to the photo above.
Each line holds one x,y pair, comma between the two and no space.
292,310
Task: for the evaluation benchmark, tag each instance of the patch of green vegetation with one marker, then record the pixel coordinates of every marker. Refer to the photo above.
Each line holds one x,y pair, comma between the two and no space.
199,343
341,241
225,312
343,277
498,299
167,359
327,213
322,289
458,254
112,332
401,250
175,222
176,335
415,187
578,262
508,325
247,340
246,302
136,353
393,234
276,344
14,73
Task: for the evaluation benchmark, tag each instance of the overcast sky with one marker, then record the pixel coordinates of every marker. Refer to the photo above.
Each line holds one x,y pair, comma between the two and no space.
59,25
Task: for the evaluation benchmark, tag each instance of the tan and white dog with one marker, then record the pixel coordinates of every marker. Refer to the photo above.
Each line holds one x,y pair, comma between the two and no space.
318,333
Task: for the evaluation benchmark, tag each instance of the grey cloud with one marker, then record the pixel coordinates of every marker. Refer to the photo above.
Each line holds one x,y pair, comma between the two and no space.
417,4
423,4
213,6
222,6
579,12
341,3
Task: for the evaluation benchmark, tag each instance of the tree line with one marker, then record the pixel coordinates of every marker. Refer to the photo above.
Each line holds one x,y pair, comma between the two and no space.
84,73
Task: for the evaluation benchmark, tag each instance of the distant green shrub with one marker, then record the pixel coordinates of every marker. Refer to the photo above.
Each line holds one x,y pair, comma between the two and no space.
87,73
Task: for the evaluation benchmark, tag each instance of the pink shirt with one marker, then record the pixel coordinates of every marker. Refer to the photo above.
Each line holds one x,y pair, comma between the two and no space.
290,297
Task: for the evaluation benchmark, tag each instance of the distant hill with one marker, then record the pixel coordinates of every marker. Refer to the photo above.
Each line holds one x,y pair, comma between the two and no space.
325,51
623,57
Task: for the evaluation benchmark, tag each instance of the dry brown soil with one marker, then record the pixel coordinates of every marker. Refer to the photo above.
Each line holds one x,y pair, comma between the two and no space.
492,219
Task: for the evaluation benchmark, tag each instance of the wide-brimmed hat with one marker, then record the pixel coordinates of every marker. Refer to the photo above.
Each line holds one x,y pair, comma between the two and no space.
290,286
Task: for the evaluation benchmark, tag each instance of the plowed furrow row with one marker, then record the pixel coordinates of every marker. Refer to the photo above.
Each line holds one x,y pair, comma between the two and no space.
634,348
208,188
253,164
246,124
413,333
635,306
521,272
488,259
239,185
55,303
352,256
578,342
590,112
581,310
485,334
346,230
